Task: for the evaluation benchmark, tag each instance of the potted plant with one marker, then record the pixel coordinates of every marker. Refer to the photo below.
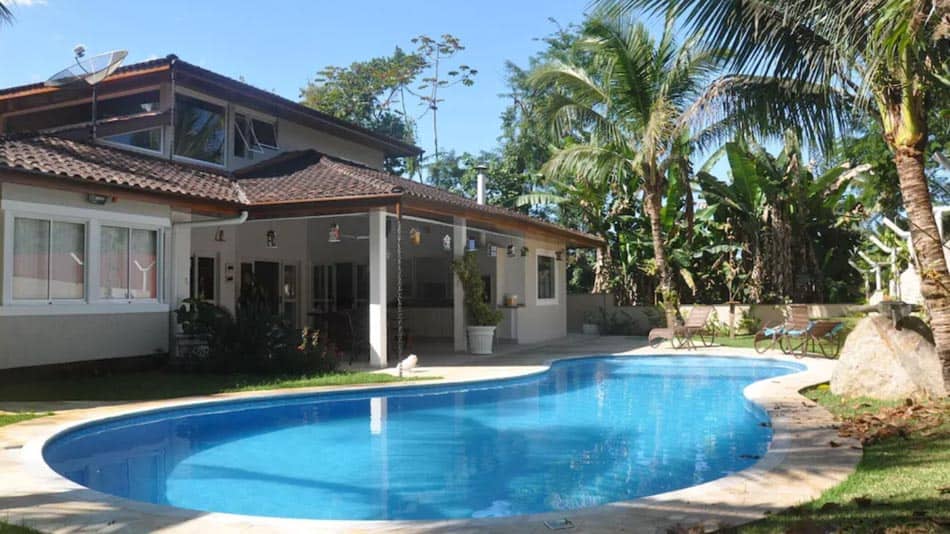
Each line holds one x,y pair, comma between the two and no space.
592,321
483,318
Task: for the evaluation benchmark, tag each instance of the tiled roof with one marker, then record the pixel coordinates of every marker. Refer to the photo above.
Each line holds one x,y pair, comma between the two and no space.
293,177
307,176
57,156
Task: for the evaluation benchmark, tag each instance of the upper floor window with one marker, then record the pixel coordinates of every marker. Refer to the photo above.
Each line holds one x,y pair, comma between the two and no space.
253,135
149,139
106,108
200,131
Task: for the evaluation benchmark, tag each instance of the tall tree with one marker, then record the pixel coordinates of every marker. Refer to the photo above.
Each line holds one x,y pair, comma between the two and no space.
623,114
809,63
370,93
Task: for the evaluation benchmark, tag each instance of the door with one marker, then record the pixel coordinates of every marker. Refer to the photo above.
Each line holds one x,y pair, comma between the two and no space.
265,275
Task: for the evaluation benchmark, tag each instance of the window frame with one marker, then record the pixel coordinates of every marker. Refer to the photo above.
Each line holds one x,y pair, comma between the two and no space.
81,101
132,148
225,157
93,220
159,262
10,221
251,115
556,299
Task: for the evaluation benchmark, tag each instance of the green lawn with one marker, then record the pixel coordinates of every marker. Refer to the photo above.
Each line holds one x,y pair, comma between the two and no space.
7,528
151,385
902,485
10,418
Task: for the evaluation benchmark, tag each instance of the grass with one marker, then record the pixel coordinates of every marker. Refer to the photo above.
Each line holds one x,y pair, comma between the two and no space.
10,418
7,528
152,385
901,485
746,341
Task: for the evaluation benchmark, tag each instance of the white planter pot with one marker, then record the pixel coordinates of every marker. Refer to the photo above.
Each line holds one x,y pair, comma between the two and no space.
480,339
590,329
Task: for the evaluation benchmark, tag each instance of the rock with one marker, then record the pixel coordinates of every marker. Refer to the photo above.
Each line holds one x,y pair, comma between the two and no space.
881,362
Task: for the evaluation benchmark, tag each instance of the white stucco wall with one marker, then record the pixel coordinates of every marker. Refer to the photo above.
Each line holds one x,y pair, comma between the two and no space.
539,321
85,332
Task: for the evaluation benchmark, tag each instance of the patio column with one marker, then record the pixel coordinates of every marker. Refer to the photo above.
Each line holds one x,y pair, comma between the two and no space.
459,235
377,287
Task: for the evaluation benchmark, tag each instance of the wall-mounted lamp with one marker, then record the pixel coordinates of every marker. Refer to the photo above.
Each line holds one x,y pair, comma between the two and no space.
98,200
510,250
492,251
524,251
446,242
334,234
219,235
271,239
415,236
559,255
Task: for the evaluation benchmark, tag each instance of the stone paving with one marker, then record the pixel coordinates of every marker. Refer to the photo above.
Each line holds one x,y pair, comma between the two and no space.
800,463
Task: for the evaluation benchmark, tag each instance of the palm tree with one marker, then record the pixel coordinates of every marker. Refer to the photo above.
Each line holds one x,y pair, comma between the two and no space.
621,111
5,14
811,63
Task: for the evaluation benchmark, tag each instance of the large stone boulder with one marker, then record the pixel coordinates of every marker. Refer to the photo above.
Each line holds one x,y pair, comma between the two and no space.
882,362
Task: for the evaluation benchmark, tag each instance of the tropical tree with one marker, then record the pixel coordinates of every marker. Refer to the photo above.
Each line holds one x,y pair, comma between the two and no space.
810,63
5,14
796,228
622,114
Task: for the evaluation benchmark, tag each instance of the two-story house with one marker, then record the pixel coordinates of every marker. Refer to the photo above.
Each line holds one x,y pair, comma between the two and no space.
187,183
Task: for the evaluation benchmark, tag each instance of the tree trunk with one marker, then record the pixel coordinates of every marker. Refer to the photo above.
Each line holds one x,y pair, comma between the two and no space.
602,270
934,275
652,205
757,275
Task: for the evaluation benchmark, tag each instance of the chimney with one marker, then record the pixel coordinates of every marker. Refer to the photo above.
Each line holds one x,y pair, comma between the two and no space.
480,191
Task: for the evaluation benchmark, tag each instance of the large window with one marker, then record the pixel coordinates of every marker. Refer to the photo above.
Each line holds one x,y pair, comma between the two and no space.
547,286
48,260
128,263
200,131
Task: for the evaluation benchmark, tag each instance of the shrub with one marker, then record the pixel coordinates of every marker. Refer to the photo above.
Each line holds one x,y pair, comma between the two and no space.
748,323
480,312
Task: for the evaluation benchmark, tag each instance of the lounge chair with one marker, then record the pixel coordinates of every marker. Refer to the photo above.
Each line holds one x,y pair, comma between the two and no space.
696,324
819,336
771,337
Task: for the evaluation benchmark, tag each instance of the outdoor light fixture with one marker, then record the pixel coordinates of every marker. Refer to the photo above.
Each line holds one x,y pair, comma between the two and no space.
559,255
447,242
524,251
492,251
415,236
334,235
271,239
510,250
472,247
98,200
219,235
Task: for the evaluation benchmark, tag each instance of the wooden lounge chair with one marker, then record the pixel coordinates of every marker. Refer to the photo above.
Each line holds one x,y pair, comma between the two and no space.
770,337
683,335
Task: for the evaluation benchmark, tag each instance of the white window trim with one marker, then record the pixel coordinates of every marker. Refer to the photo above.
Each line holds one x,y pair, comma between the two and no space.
557,293
227,124
132,148
251,114
93,220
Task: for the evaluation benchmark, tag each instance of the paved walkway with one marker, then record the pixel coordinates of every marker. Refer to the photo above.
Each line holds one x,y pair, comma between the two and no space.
799,465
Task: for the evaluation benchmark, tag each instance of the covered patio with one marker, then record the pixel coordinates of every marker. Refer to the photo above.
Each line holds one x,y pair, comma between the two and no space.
366,257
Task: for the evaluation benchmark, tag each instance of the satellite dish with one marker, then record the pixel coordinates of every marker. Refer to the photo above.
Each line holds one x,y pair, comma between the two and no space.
90,70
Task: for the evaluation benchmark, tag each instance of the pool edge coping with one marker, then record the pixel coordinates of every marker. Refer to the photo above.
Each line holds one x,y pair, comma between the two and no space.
804,458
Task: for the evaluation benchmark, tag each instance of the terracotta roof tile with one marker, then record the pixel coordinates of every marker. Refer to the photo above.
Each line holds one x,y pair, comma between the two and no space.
57,156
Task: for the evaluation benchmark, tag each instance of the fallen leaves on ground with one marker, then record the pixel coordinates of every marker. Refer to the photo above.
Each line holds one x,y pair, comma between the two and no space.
899,421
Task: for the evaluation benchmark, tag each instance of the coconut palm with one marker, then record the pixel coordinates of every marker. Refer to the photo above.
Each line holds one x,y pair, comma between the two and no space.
622,112
812,62
5,14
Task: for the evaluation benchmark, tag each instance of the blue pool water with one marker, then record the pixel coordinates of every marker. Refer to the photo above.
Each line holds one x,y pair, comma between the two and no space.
586,432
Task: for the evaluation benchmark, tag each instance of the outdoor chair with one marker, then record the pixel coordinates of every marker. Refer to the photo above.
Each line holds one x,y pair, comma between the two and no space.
680,336
819,336
796,322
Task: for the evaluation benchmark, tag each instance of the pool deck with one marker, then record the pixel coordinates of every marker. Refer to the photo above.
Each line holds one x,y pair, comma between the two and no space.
806,457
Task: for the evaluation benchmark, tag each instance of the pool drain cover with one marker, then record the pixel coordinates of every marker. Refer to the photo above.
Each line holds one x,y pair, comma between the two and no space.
559,524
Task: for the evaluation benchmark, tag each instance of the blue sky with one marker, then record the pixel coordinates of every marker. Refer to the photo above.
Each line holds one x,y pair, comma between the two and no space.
279,45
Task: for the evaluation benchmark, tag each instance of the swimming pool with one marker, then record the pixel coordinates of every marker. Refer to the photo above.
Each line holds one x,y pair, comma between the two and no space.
586,432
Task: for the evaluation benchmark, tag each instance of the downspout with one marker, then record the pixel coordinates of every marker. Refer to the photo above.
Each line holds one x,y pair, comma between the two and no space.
171,130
